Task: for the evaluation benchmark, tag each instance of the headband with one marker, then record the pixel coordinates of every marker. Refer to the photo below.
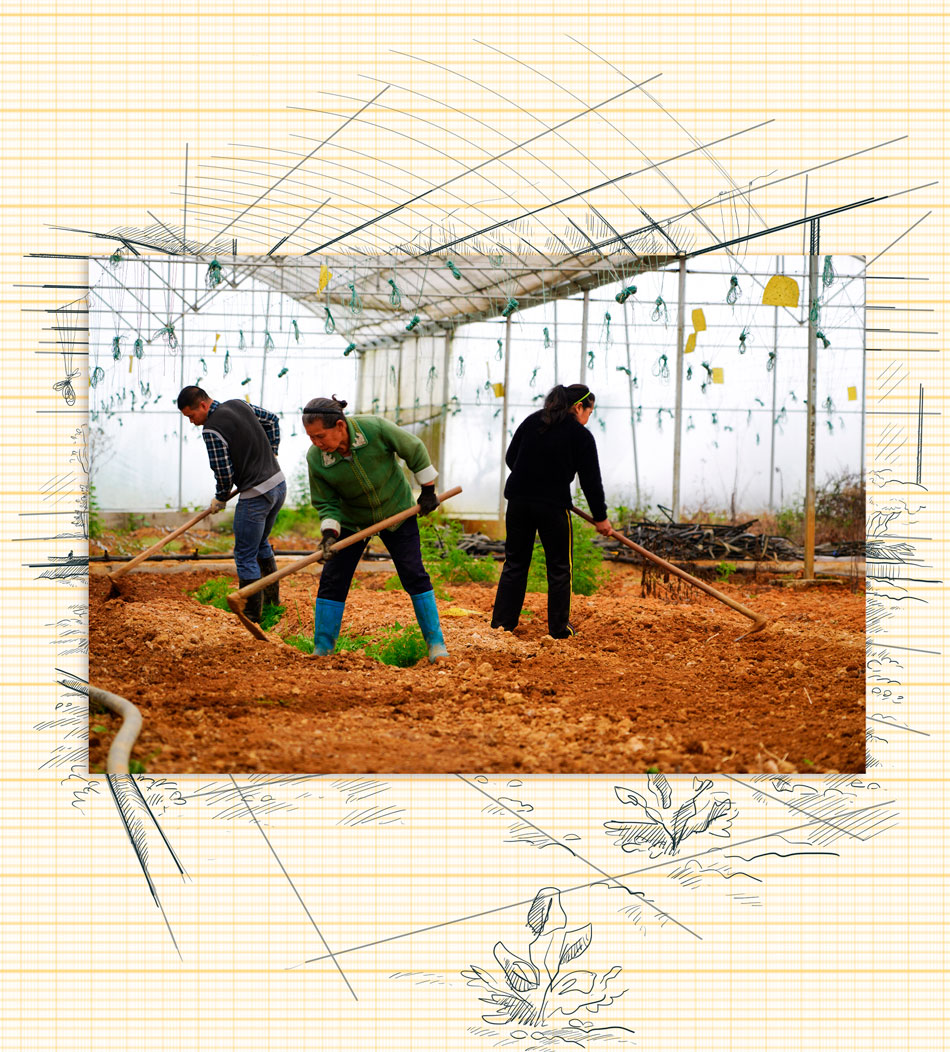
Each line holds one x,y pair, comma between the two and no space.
582,397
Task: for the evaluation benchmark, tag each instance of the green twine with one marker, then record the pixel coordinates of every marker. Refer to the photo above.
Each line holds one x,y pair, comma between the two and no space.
825,342
242,345
413,323
431,377
138,348
349,349
734,291
590,359
393,379
659,420
757,438
607,326
66,387
395,297
268,341
690,426
283,372
510,307
828,405
116,349
547,338
689,372
743,336
813,313
715,419
244,383
639,413
500,353
329,325
296,330
624,369
831,427
624,294
227,362
204,367
355,304
478,396
661,368
770,364
828,274
116,258
375,405
460,368
213,276
456,273
534,378
660,311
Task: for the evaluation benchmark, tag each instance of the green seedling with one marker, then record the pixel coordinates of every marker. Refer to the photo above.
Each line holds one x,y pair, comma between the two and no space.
214,592
725,570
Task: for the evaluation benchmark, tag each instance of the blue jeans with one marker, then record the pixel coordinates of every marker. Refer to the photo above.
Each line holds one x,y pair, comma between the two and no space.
253,520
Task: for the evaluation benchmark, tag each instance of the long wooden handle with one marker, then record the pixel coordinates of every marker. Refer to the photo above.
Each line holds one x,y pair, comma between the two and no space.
142,556
669,567
237,599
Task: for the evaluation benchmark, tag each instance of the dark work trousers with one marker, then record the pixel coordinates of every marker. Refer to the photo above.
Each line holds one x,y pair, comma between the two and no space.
402,544
523,519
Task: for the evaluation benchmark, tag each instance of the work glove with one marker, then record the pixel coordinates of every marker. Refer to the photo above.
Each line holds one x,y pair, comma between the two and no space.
326,543
428,501
218,505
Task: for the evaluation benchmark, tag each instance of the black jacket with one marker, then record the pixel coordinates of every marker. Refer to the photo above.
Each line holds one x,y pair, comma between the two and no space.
544,462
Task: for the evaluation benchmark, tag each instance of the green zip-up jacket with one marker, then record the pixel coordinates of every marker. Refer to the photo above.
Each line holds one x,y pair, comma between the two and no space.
367,486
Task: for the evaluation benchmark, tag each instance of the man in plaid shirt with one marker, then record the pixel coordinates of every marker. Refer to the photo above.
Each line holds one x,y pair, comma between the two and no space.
242,441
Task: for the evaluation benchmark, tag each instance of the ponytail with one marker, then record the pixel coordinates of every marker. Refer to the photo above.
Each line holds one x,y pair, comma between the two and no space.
327,410
561,400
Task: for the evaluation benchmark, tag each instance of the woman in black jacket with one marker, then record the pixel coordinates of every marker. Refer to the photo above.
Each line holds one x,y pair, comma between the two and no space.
547,451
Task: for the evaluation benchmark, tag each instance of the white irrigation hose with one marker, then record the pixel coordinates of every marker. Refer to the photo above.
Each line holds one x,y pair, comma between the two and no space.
121,749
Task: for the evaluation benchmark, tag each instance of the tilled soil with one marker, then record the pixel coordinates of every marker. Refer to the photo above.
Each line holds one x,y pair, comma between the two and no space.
645,683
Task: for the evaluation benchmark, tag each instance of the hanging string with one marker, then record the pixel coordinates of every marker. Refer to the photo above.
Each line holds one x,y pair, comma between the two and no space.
499,354
770,364
268,341
116,349
624,369
813,314
734,291
329,325
547,338
639,413
708,380
244,383
355,304
296,330
828,405
689,372
393,379
607,328
828,274
690,426
413,323
456,273
283,372
510,307
825,342
65,387
115,259
213,277
590,359
624,294
660,312
661,368
138,348
204,367
431,377
395,297
349,349
227,361
743,336
242,344
534,378
460,368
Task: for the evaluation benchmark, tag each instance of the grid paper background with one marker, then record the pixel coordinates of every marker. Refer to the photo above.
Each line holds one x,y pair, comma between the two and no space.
844,948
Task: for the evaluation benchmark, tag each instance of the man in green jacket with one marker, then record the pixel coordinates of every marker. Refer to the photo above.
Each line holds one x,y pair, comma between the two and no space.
355,482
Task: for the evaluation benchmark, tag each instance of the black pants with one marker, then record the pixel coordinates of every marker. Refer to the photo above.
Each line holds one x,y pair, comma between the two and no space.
402,544
524,518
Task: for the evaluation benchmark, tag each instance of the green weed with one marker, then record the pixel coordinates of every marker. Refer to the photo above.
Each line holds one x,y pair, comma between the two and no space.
725,570
445,561
271,615
399,646
99,729
303,643
214,592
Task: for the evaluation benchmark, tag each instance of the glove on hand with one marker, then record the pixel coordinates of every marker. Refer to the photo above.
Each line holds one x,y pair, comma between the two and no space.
428,501
218,505
328,540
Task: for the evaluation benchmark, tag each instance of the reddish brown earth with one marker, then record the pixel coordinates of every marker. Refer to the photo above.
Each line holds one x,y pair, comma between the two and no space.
645,683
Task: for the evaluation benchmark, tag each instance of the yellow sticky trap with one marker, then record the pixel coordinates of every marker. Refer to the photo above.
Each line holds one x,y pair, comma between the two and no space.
699,320
217,336
690,343
717,376
131,360
325,276
852,394
499,390
780,292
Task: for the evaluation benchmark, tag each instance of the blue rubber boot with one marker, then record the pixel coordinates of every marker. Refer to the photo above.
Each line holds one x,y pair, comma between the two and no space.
327,617
427,615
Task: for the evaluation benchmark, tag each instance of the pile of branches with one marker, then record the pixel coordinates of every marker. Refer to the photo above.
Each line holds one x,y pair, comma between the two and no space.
689,541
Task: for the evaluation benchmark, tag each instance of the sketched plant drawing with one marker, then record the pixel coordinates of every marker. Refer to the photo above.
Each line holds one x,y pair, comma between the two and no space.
538,988
661,830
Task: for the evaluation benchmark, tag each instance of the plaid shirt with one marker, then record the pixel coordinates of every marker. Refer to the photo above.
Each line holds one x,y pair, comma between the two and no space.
218,454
